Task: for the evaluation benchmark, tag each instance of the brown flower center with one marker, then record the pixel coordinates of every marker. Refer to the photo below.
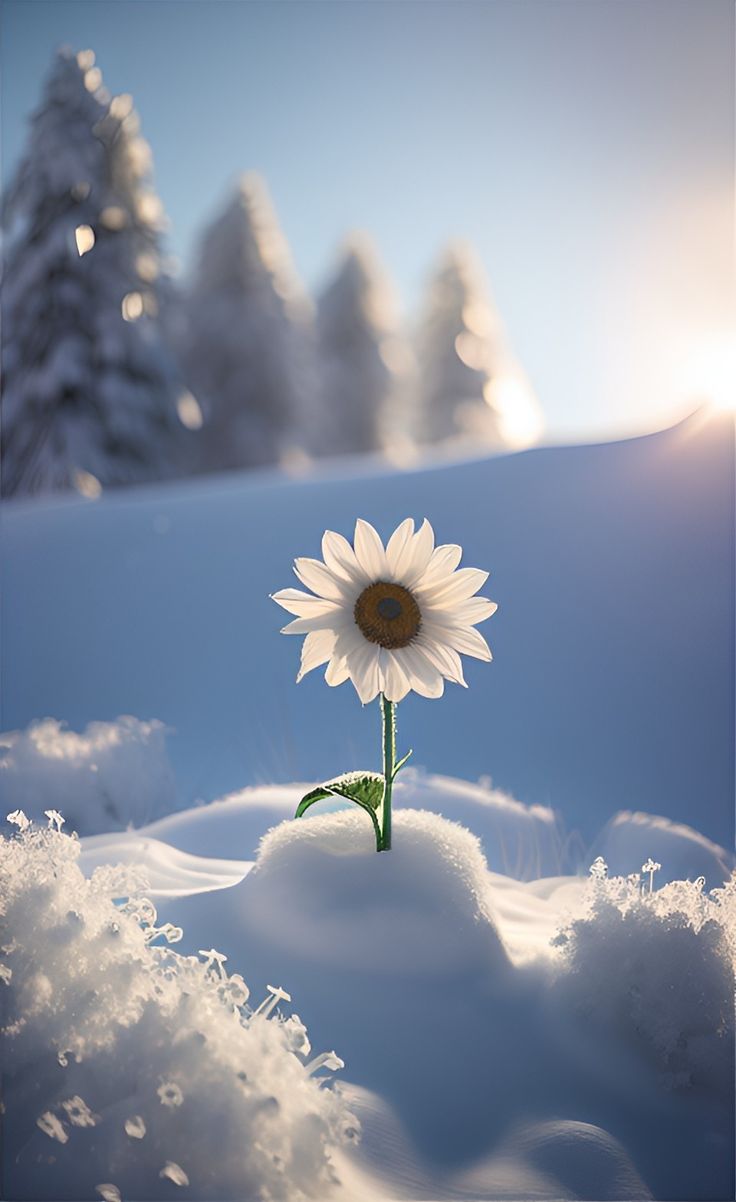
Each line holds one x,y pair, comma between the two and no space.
387,614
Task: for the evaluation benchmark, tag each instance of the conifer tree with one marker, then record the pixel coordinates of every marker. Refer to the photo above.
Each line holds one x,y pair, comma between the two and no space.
248,341
89,391
363,360
459,353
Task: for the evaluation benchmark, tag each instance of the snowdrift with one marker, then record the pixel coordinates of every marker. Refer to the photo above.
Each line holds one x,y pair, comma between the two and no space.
611,687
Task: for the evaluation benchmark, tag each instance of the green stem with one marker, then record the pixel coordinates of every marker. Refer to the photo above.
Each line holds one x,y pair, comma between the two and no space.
388,728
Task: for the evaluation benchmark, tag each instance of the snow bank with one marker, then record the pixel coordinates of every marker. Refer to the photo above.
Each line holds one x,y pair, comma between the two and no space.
655,970
161,594
422,910
518,840
112,775
128,1068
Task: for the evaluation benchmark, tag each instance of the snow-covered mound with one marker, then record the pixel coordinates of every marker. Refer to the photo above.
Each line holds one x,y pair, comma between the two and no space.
518,840
656,971
439,984
612,566
128,1069
168,871
628,840
112,775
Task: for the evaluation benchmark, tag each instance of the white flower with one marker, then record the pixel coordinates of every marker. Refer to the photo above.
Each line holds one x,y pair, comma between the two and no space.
390,619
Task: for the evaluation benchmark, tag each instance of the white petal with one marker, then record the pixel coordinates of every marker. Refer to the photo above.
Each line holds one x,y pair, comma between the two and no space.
304,605
369,550
475,609
444,658
458,587
337,672
398,547
350,640
363,666
340,557
394,681
464,613
445,559
424,677
334,619
464,639
420,554
314,574
317,648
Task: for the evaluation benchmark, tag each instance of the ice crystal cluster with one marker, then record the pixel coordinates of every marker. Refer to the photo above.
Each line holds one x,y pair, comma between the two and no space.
127,1067
657,968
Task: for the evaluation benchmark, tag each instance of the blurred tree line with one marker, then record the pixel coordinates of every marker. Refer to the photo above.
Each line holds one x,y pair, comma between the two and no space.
113,373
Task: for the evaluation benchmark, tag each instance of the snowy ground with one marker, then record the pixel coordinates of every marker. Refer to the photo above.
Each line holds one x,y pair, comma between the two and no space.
547,1038
509,1028
611,686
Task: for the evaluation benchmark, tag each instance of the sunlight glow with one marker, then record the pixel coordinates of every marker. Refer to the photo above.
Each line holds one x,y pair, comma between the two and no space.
711,371
519,416
84,236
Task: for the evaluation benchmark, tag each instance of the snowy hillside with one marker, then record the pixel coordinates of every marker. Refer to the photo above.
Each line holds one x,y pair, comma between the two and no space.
611,687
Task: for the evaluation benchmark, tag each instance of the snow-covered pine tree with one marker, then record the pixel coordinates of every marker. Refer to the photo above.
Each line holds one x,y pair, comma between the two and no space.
90,394
363,359
248,341
459,353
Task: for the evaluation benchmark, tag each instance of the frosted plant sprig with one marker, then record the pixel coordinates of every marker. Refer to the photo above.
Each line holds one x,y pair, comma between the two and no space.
392,620
651,866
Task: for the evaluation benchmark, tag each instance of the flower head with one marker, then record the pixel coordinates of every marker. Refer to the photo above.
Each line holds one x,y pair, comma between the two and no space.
390,619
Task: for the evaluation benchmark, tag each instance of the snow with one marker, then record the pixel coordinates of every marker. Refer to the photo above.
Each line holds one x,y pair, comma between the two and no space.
630,838
125,1064
560,1037
510,1027
550,1038
363,360
111,775
609,690
90,389
247,337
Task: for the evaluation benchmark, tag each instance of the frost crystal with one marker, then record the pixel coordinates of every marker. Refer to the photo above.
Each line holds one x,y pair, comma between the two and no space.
51,1126
170,1094
108,1193
599,869
79,1113
135,1127
328,1060
175,1173
19,819
657,969
79,999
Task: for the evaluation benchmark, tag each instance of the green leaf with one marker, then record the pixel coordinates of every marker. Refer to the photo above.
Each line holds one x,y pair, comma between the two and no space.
401,763
364,788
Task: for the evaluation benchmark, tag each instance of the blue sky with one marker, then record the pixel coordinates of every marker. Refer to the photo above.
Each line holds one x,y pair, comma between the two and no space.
584,146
